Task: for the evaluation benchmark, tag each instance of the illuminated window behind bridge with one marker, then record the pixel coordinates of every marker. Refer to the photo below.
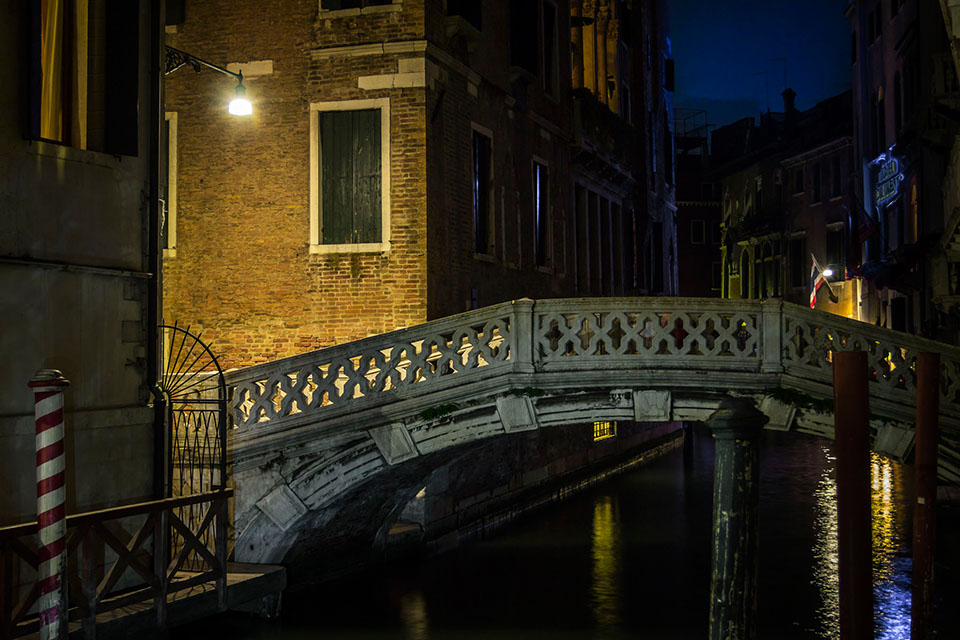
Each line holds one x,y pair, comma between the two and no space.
603,430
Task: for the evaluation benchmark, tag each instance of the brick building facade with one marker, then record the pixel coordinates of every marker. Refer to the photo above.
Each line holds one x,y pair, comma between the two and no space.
474,161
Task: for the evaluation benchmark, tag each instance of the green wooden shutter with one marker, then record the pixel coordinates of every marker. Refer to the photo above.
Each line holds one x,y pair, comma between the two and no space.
367,211
350,176
336,176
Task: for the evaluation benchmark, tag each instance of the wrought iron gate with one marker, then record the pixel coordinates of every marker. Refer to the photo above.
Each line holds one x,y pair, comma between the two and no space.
195,414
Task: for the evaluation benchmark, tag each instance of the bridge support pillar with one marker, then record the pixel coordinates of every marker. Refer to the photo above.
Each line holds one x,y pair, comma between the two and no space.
736,424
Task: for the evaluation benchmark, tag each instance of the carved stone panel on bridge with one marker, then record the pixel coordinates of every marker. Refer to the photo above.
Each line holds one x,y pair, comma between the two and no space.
651,406
893,440
394,443
282,506
780,414
517,413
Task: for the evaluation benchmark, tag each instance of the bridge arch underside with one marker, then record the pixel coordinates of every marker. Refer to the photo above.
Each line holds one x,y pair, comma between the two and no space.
328,493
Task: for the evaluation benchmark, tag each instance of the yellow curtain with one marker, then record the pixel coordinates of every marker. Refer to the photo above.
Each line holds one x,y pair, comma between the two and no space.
79,73
51,60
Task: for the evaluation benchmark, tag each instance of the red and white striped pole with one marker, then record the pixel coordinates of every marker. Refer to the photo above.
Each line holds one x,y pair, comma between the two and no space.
48,386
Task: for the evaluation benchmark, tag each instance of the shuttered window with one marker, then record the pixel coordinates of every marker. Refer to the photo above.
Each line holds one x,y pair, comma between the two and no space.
482,194
350,176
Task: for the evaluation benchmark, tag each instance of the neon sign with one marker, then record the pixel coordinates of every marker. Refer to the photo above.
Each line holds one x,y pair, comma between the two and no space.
887,186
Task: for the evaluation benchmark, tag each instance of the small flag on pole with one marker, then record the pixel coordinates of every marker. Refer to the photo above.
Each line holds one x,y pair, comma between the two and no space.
818,278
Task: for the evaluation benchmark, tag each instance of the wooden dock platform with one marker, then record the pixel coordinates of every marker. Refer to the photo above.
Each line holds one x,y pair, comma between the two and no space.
119,586
250,587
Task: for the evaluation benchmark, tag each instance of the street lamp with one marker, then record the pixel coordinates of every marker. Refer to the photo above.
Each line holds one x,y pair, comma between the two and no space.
175,58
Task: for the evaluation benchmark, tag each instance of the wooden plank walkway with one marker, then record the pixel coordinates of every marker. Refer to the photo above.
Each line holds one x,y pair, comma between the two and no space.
250,587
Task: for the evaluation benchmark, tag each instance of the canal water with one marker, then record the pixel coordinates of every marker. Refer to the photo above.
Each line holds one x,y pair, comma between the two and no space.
630,559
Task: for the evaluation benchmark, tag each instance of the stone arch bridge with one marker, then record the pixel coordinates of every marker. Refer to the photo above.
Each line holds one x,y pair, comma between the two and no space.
348,433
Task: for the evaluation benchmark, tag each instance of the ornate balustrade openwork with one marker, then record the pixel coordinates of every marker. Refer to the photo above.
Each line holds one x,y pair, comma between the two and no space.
117,557
709,345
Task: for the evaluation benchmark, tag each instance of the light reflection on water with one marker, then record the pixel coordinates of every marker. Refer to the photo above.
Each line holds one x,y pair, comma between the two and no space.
605,550
891,563
825,550
413,614
890,560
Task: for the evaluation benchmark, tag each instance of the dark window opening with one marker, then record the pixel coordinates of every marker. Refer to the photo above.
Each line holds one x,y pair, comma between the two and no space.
835,253
482,194
656,257
881,127
744,274
175,12
668,155
897,105
816,195
469,10
836,181
668,71
523,48
697,232
549,55
798,180
350,176
583,239
541,208
798,261
716,276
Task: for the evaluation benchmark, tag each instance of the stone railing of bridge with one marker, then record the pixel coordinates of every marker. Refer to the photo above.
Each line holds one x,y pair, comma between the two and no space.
681,345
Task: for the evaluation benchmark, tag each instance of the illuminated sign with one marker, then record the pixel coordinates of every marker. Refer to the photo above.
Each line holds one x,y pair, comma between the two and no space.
887,185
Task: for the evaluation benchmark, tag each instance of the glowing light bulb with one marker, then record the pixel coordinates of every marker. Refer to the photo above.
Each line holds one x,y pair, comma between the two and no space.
240,106
827,272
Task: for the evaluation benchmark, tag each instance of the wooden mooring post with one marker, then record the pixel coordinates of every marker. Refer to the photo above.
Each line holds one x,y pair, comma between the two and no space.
851,415
736,424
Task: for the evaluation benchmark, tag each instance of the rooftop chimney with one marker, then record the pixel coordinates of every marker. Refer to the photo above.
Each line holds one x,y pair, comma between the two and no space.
789,96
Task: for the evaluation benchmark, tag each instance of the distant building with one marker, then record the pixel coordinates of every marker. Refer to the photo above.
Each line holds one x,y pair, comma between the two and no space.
698,209
78,262
412,159
784,182
946,277
906,105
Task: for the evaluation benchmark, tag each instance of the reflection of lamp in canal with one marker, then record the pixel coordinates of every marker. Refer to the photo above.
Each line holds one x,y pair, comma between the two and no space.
413,612
606,565
890,531
826,551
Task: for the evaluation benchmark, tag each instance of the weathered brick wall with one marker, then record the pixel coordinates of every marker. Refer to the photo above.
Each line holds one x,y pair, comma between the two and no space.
243,272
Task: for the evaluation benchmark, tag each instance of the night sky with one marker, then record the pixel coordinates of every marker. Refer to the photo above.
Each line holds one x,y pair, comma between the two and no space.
720,46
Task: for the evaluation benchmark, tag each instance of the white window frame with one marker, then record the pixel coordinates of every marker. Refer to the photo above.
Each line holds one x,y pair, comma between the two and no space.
383,104
397,5
171,205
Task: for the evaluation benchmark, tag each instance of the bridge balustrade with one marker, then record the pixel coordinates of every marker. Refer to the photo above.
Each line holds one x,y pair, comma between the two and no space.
709,344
